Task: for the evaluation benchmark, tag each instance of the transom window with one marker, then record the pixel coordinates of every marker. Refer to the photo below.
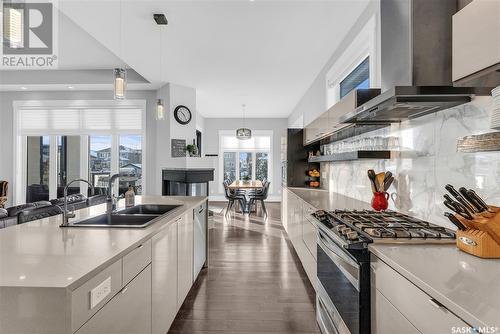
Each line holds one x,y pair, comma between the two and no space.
358,78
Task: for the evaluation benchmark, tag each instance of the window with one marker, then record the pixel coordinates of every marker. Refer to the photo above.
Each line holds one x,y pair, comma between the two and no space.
358,65
245,159
131,163
37,177
99,162
229,166
246,163
358,78
68,164
261,165
59,141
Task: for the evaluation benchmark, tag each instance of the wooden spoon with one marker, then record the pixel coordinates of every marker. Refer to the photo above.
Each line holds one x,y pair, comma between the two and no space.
380,181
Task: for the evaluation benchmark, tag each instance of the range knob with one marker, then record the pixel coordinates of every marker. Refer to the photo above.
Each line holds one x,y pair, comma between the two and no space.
346,230
340,228
352,235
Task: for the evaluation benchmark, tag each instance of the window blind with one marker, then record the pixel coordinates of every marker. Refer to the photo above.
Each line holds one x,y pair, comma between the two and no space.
254,143
79,121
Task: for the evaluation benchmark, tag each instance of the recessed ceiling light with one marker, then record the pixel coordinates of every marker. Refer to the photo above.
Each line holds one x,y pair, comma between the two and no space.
71,87
24,88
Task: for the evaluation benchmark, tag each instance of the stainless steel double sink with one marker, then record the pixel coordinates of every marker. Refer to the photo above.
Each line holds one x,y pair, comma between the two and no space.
138,216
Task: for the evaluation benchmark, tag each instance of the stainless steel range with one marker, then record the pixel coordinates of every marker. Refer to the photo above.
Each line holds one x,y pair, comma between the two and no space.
343,298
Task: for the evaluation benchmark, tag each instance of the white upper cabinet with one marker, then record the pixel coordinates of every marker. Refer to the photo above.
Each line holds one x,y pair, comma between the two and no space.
476,46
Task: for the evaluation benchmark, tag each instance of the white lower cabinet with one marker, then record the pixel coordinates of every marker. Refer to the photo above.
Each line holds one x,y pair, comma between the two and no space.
164,279
301,232
424,312
129,312
185,234
386,319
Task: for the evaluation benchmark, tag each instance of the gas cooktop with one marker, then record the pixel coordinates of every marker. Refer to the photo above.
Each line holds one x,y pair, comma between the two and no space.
356,229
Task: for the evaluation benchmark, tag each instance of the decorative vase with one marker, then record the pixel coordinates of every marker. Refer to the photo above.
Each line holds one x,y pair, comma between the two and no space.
380,201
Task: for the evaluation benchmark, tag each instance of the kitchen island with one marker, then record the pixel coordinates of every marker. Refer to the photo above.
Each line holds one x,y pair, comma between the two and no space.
100,280
418,288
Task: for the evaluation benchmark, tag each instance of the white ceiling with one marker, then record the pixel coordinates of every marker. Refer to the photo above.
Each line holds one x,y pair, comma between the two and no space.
262,53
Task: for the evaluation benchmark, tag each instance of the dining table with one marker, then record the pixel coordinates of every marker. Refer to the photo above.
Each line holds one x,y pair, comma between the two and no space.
246,185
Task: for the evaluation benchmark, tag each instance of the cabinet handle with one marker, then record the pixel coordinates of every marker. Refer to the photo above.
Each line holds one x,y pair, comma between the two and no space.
140,246
435,303
124,289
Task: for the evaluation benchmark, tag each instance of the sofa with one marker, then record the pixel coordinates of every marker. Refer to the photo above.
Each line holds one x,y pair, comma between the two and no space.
24,213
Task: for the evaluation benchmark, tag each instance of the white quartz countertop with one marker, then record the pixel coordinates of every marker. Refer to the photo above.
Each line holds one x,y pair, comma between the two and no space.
467,285
325,200
42,254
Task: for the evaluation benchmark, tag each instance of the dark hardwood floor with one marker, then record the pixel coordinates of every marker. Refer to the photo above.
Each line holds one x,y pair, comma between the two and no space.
254,283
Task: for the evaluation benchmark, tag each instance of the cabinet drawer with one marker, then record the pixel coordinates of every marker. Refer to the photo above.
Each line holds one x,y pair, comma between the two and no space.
386,319
129,312
425,313
110,281
136,260
309,231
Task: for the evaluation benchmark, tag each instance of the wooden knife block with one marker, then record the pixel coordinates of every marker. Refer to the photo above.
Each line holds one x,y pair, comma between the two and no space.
482,236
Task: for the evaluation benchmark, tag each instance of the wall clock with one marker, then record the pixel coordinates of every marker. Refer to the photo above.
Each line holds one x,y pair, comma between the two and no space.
182,115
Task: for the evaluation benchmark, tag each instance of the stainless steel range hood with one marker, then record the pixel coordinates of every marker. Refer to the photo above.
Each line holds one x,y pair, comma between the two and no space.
416,37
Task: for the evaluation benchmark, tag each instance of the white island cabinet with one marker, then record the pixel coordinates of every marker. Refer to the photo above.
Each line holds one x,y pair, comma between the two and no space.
128,312
184,257
164,275
99,280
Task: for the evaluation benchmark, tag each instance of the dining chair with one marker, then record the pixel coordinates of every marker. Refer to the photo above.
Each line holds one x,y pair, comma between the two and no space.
232,197
261,197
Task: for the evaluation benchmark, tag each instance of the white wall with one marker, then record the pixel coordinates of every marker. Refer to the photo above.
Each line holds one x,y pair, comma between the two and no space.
313,102
211,140
173,96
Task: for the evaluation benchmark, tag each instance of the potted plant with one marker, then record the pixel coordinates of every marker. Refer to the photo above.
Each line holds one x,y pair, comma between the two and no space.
246,179
192,150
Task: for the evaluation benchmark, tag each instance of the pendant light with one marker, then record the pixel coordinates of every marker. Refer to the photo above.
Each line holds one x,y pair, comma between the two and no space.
243,133
160,107
13,28
160,110
120,74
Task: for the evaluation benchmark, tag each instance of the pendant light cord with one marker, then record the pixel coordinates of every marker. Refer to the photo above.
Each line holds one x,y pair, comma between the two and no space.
121,34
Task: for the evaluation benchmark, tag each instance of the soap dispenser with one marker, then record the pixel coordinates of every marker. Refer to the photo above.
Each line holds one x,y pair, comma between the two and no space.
130,197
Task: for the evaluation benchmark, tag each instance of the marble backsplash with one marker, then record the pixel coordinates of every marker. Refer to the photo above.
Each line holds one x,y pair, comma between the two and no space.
428,160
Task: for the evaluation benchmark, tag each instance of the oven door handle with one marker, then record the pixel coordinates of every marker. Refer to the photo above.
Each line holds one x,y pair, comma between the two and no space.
348,266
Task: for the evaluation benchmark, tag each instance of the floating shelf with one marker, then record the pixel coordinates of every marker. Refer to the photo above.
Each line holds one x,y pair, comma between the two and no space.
479,143
355,155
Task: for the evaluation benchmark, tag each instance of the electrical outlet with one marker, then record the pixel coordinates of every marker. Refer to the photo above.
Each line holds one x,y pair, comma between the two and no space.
100,292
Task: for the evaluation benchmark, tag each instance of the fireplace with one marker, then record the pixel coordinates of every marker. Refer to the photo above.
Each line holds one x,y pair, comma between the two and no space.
187,181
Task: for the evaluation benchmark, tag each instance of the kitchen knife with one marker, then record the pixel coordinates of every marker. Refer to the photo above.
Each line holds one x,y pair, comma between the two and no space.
458,197
478,199
459,209
455,221
472,201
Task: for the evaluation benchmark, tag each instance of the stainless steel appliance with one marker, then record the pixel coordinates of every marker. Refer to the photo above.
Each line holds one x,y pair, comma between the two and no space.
200,238
343,289
416,63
